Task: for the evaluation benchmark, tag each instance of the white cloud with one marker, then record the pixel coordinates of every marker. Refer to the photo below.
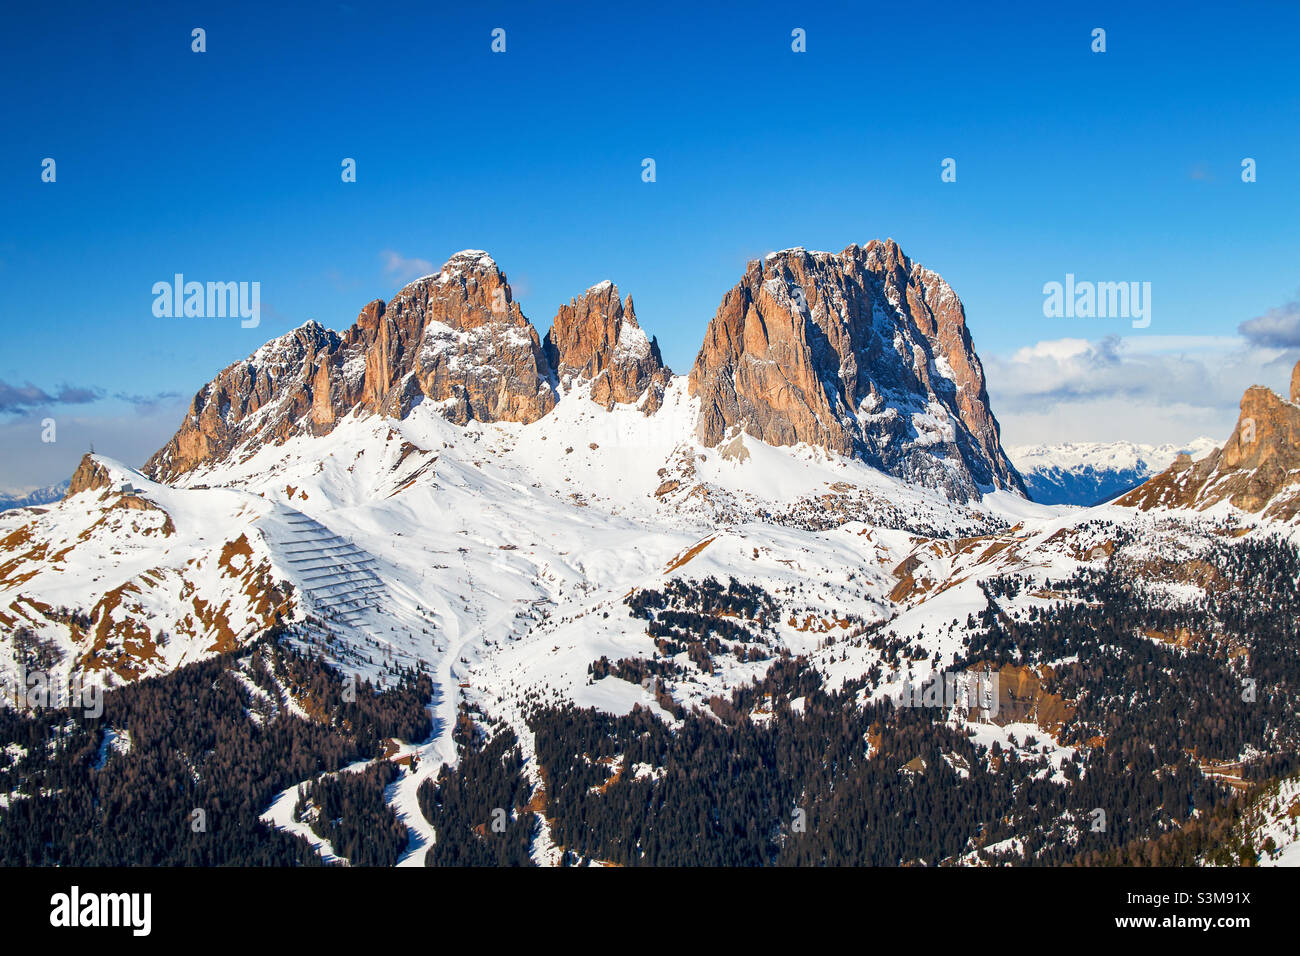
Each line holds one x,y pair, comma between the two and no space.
403,269
1139,388
1276,328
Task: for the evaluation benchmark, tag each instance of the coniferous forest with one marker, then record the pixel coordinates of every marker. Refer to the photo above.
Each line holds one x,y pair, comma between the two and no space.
210,746
786,771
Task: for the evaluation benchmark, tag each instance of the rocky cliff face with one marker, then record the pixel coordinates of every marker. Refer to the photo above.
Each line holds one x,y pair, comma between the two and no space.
89,476
272,393
457,338
596,338
862,353
1257,470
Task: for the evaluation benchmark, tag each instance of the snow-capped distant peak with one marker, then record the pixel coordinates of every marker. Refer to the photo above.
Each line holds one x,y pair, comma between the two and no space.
1086,473
1114,455
31,496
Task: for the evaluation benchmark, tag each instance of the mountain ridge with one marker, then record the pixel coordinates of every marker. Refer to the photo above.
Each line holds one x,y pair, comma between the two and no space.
32,497
1089,473
911,398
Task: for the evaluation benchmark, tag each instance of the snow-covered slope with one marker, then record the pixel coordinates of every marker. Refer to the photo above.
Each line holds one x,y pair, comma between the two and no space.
505,554
1088,473
403,540
133,578
500,553
500,557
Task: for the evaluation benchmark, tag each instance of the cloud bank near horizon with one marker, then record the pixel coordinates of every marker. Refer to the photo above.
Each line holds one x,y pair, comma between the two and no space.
1149,389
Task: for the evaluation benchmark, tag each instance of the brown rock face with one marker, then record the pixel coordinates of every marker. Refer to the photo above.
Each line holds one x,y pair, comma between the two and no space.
1267,432
457,338
596,338
1257,470
89,476
1295,384
862,353
271,393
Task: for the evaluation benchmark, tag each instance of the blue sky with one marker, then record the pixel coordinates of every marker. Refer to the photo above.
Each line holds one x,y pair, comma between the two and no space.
225,166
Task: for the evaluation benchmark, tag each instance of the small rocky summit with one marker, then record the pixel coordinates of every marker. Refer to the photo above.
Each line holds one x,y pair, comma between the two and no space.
1257,469
596,338
863,353
89,476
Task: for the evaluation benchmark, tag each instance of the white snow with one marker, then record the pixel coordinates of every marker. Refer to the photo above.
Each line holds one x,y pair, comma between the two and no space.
499,557
1116,456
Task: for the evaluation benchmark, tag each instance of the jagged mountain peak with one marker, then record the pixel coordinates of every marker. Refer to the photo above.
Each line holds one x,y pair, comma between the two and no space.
861,353
456,338
1257,469
469,258
597,338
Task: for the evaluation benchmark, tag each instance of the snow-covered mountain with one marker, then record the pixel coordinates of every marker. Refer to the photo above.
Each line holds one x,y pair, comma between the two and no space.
861,353
440,469
441,488
1088,473
31,497
864,353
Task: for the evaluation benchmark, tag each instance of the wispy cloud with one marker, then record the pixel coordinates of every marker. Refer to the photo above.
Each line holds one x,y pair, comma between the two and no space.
148,404
403,269
1140,388
20,399
1061,370
1276,328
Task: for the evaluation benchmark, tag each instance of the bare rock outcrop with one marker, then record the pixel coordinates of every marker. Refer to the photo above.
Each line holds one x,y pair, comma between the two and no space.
596,338
89,476
1257,469
863,353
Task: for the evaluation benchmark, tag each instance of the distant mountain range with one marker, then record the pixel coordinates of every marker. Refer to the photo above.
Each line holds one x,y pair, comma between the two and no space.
1090,473
27,498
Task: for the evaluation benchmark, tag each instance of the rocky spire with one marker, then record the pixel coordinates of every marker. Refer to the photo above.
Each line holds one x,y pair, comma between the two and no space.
1256,470
596,338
